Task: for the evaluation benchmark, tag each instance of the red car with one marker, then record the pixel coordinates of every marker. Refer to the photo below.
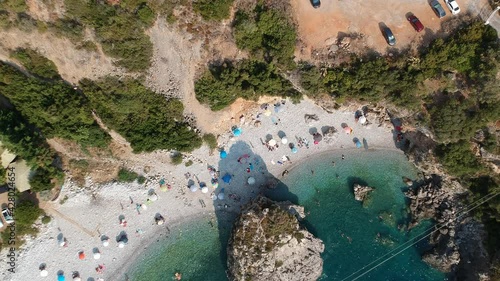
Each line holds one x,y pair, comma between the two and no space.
415,22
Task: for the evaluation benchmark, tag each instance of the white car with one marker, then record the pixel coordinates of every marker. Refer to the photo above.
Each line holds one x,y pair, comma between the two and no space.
453,6
7,216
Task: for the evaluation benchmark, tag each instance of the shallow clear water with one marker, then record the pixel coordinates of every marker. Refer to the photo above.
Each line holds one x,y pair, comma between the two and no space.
354,235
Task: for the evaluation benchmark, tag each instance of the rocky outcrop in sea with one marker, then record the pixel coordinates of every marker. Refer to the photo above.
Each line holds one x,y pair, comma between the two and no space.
268,243
361,192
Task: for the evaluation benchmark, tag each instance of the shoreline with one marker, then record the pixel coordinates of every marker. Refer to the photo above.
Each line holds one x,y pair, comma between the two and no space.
95,206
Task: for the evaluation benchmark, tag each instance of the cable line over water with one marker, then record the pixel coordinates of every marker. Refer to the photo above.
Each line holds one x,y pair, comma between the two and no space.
436,228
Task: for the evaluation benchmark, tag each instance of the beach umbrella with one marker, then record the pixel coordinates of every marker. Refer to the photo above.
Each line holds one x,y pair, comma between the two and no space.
236,132
61,278
278,108
358,144
294,149
317,137
267,112
251,180
362,119
193,188
221,196
44,273
204,189
284,140
77,279
97,256
162,181
223,154
62,243
105,243
272,142
215,185
153,197
347,129
226,178
121,244
81,255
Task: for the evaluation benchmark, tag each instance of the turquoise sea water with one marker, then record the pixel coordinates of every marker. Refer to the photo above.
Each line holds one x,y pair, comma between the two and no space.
354,235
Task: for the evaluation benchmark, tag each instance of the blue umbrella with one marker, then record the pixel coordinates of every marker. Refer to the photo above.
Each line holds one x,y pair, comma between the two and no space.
223,154
61,278
236,132
294,149
226,178
358,144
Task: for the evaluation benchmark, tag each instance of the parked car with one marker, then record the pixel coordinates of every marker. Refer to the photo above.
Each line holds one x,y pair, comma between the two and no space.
453,6
415,22
438,9
316,3
389,37
7,216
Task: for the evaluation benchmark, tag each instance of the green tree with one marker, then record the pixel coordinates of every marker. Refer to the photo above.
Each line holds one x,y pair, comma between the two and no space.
146,119
215,10
458,159
36,63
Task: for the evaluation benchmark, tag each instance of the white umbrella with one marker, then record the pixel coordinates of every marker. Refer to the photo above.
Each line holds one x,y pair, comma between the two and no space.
204,189
44,273
121,244
105,243
193,188
144,207
61,243
284,140
362,119
97,256
160,222
153,197
77,279
272,142
251,180
221,196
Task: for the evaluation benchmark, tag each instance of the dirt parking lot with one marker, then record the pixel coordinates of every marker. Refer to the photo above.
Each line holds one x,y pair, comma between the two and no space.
319,28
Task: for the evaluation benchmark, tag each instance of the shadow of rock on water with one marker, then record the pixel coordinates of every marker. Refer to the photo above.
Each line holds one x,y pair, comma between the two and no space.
240,190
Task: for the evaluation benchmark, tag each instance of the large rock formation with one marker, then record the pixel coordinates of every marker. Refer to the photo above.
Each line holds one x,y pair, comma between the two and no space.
267,243
361,192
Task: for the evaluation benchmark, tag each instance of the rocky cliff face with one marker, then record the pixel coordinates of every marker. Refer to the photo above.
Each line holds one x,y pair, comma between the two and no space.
267,243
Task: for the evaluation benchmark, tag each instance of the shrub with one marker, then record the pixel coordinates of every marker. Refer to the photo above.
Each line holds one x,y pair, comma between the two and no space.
248,79
119,29
15,6
55,108
125,175
211,141
188,163
141,179
46,219
176,158
213,9
267,34
458,158
36,63
146,119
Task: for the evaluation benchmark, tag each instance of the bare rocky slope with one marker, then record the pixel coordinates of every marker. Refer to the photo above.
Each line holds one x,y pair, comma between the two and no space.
268,243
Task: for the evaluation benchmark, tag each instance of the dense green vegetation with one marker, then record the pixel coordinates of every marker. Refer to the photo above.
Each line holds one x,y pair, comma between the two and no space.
25,141
16,6
147,120
125,175
267,34
211,141
26,213
55,108
119,29
213,9
458,158
35,63
249,79
176,158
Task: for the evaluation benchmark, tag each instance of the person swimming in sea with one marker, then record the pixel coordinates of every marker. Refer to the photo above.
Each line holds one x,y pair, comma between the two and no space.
343,157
